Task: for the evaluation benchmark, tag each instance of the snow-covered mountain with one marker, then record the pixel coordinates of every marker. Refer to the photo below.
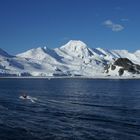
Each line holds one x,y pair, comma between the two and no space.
72,59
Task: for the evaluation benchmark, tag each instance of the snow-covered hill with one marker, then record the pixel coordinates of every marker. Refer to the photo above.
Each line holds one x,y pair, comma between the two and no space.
72,59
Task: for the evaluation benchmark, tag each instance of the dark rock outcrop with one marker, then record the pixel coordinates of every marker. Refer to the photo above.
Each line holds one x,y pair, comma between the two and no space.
113,67
125,64
121,71
128,65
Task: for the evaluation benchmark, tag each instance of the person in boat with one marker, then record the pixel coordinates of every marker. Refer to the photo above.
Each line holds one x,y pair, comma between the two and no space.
24,96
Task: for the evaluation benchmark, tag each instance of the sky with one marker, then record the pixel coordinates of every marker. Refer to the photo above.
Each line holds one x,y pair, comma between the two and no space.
109,24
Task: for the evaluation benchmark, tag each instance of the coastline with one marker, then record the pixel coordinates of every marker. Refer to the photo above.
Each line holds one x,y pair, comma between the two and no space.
78,77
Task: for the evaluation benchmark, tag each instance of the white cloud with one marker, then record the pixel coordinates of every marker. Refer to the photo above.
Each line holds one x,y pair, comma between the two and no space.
113,26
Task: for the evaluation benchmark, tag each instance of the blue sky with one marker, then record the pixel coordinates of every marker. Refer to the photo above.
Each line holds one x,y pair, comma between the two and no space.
111,24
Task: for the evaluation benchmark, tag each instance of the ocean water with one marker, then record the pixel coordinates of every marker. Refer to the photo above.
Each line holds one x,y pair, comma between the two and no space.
70,109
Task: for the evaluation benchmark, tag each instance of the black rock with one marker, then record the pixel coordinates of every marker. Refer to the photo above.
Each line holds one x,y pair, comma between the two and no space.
126,65
121,71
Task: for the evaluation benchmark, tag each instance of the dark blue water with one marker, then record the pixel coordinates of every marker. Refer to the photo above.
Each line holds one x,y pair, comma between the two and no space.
70,109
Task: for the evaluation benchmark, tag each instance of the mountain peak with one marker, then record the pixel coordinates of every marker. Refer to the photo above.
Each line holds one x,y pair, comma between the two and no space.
78,42
75,45
76,48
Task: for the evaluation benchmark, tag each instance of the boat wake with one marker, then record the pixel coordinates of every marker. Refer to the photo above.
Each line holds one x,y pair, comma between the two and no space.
32,99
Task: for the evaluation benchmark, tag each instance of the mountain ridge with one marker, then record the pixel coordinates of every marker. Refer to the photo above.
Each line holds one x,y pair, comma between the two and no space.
74,58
